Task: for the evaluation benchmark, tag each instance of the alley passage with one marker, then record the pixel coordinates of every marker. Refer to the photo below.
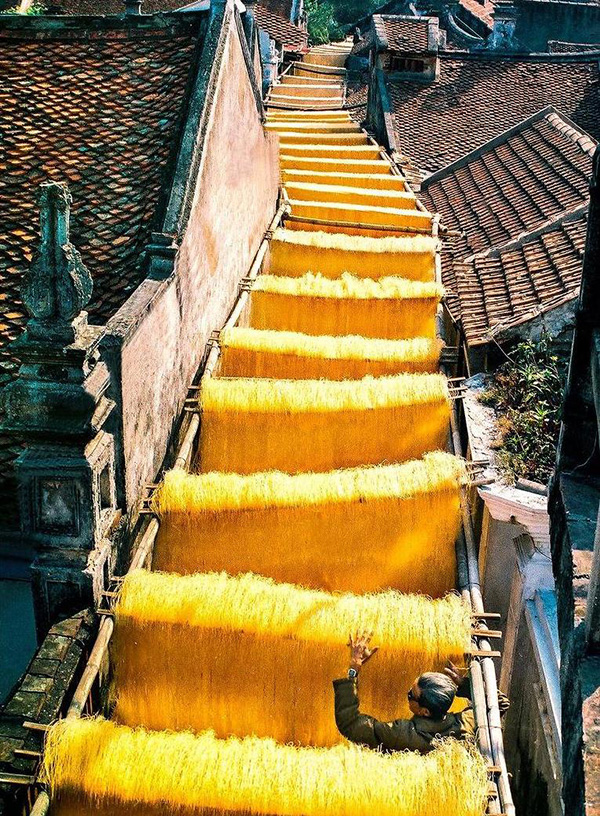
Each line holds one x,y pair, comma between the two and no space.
322,502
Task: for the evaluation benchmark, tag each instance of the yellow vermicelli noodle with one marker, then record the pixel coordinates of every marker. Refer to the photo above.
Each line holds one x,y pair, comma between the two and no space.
390,308
294,252
291,355
247,655
97,768
381,215
311,528
252,425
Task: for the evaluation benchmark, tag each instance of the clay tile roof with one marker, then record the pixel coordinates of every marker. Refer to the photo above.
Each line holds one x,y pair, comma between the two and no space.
539,272
517,183
560,47
94,7
281,29
103,114
283,8
482,12
476,97
402,33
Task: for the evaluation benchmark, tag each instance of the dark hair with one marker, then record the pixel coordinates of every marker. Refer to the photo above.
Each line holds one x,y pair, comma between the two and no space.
437,693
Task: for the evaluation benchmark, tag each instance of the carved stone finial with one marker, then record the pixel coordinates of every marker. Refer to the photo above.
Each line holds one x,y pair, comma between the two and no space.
58,285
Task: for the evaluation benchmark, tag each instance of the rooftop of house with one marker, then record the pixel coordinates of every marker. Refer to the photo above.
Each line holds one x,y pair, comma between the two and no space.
481,12
476,96
520,202
562,47
403,33
106,7
280,28
283,8
536,273
99,106
399,32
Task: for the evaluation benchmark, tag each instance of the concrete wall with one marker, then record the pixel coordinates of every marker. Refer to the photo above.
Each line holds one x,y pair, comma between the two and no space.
165,325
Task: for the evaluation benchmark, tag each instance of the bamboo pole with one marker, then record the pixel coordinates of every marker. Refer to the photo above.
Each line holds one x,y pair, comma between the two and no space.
483,672
41,806
92,669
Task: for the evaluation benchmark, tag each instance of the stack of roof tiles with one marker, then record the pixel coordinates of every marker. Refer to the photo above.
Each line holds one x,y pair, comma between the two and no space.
521,200
101,113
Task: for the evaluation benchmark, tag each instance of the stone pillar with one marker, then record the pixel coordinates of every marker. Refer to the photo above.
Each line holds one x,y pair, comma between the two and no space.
503,31
57,407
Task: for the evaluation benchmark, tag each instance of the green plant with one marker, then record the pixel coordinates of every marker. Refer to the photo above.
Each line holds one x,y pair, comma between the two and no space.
322,27
526,393
34,9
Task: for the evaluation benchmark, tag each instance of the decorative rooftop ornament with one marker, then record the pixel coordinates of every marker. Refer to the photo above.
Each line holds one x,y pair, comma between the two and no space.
58,285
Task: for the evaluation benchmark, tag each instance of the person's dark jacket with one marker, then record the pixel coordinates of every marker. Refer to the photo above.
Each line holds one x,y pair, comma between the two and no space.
416,734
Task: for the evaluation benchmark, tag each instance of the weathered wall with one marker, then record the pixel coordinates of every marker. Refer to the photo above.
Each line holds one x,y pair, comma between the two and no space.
170,321
535,783
571,22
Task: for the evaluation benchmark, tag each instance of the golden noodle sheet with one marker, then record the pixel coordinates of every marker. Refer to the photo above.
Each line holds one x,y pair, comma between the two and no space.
291,355
392,308
294,252
356,530
251,425
247,655
96,768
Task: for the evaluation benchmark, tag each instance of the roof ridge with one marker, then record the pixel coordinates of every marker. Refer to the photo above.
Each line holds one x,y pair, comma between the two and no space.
558,120
572,130
486,147
529,235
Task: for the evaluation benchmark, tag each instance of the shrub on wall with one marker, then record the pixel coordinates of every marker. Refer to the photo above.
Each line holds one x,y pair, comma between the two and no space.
527,393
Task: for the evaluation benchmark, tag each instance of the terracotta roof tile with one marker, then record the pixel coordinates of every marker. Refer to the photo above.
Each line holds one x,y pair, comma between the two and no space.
402,33
477,97
93,7
560,47
480,11
280,28
101,113
356,95
283,8
503,289
520,181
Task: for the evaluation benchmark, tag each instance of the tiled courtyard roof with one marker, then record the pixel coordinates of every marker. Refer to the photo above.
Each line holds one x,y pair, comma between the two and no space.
101,113
476,97
280,28
402,33
531,178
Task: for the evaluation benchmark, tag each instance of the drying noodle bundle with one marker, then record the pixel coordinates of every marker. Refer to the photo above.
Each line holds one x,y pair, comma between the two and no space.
246,655
291,355
252,425
97,768
355,530
312,191
293,252
383,214
391,308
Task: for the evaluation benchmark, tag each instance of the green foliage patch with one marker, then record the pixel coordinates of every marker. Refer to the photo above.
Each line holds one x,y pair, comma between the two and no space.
331,19
527,393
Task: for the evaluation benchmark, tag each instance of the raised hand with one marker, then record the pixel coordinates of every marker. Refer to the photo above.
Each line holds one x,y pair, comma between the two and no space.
360,649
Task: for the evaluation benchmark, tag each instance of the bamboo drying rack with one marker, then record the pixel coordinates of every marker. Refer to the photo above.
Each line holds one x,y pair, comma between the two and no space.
483,671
